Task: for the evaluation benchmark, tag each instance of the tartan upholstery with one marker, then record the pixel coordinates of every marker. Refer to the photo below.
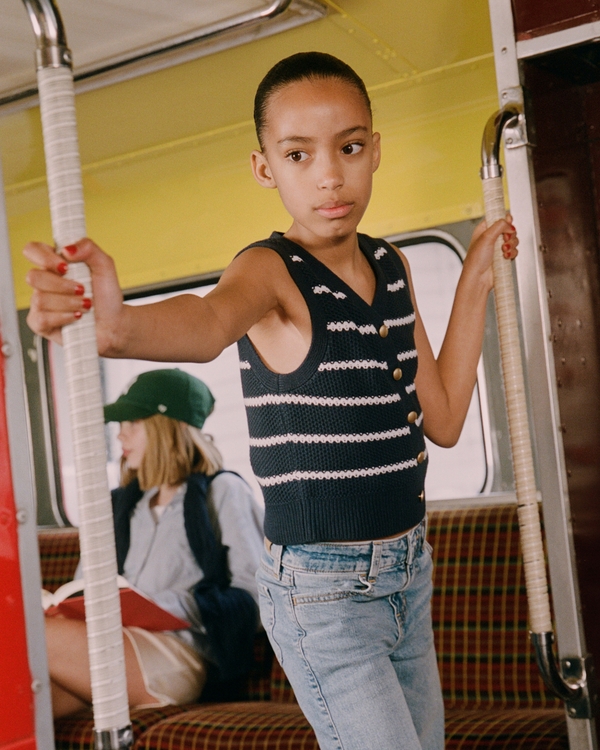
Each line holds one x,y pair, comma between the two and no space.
506,729
77,732
281,690
234,726
59,555
479,611
494,697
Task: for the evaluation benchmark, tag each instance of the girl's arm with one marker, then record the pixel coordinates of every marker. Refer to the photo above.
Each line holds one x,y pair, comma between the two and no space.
183,328
445,385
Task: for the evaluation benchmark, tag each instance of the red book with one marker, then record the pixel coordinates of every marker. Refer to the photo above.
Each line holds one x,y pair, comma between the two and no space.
136,608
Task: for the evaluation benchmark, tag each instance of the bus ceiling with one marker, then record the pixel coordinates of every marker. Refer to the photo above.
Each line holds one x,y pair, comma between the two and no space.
115,42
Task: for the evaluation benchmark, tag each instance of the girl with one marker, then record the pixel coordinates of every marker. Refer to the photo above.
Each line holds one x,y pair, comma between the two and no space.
329,338
174,512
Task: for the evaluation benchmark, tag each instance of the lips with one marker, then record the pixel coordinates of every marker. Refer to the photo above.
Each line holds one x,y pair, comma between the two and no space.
334,209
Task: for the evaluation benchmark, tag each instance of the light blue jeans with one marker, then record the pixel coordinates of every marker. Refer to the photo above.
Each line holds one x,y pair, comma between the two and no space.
351,625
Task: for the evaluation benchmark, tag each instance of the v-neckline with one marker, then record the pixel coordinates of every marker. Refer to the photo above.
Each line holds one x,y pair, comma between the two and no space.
379,277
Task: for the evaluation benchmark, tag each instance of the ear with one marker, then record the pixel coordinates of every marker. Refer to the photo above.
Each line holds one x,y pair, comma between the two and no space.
376,150
261,170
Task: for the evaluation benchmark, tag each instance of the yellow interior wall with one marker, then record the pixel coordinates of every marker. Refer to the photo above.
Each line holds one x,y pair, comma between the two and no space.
167,182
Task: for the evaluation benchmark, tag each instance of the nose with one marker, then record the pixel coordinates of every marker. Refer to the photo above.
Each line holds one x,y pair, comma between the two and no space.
330,173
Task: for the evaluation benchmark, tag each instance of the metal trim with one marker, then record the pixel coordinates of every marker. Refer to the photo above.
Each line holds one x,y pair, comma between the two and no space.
540,45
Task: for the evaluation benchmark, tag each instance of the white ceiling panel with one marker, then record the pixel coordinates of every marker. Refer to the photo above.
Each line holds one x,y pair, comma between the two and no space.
104,33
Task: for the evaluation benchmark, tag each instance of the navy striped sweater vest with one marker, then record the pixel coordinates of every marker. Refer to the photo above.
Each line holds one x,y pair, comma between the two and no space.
337,445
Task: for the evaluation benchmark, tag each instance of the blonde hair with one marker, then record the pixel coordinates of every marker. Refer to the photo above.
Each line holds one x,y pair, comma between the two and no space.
174,450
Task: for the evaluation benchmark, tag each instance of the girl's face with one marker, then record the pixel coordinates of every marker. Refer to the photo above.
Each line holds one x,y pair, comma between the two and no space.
133,439
320,153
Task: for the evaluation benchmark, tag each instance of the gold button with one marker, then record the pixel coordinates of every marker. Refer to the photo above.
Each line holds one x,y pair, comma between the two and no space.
412,417
421,457
397,373
383,331
422,495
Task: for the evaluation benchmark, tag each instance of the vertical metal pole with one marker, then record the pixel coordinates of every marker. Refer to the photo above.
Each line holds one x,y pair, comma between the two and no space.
103,613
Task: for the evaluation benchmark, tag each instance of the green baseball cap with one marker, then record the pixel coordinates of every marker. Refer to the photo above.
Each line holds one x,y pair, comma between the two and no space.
172,392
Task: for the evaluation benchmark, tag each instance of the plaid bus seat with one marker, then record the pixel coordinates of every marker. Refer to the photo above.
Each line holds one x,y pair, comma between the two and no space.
494,697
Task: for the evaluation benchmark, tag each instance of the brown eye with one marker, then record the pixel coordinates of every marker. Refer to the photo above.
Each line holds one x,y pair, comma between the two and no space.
297,156
351,148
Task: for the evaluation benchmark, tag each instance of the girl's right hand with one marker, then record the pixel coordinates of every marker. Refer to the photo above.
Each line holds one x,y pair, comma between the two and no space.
57,301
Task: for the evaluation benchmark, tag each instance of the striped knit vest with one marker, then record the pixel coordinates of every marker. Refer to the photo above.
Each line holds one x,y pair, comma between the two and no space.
337,445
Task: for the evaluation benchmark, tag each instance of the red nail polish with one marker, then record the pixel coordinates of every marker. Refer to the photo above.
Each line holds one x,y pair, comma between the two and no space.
62,268
506,246
77,314
87,303
513,228
80,289
70,249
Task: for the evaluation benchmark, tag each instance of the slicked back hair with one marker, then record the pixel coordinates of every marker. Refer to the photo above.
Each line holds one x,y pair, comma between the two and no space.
299,67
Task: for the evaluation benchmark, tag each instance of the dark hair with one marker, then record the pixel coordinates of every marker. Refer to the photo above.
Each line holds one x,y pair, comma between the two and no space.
299,67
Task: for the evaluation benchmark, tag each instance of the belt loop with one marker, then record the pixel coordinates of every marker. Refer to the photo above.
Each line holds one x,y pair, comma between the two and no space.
375,560
276,551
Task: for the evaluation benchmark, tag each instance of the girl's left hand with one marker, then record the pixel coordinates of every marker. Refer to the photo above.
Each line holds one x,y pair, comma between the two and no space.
481,250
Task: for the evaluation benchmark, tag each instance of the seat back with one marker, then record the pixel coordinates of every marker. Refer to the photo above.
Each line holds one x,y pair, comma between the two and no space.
479,611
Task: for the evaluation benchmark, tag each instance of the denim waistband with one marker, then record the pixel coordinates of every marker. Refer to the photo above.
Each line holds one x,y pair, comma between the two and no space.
368,556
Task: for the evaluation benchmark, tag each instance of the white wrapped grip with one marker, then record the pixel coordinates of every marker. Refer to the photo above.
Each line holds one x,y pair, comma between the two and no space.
514,387
103,615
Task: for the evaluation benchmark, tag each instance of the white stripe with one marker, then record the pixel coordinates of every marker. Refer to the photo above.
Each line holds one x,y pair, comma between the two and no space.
274,399
326,290
410,388
403,356
299,476
400,321
380,252
350,325
355,364
419,419
365,437
245,365
396,286
296,258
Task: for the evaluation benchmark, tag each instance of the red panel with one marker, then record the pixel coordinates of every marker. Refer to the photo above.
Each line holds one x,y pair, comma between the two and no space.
538,17
16,699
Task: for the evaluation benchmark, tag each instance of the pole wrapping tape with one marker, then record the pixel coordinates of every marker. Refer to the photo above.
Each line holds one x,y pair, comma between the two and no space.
103,614
516,404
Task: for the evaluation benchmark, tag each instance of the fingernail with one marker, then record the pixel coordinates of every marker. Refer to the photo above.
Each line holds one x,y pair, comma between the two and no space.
77,314
79,289
513,228
70,249
62,268
506,246
87,303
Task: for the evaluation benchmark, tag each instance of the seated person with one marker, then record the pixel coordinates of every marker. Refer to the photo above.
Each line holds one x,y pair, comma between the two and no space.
188,535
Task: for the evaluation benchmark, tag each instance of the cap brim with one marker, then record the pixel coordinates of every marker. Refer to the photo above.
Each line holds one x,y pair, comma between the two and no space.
125,412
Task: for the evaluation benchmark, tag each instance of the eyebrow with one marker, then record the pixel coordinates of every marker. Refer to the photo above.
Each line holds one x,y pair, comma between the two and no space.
342,134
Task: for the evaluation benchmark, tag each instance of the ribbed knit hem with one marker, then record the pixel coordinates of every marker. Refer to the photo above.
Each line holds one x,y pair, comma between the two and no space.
339,519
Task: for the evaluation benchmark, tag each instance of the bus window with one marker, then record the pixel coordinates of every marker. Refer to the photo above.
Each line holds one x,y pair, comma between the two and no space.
435,260
227,424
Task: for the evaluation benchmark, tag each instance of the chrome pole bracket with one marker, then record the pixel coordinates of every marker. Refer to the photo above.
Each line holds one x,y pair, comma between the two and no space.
113,739
573,682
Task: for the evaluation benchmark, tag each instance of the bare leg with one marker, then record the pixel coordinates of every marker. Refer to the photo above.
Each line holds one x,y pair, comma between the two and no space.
65,703
66,642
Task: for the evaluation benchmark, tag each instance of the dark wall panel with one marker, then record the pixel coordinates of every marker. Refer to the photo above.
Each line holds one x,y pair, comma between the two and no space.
567,174
538,17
